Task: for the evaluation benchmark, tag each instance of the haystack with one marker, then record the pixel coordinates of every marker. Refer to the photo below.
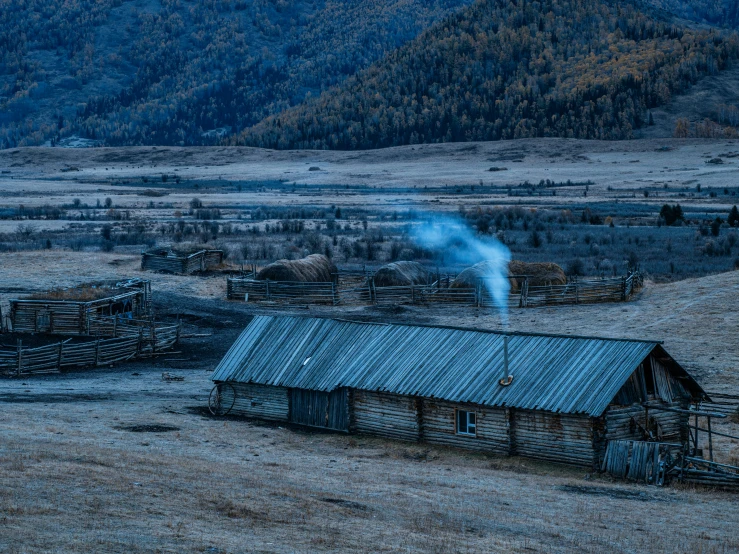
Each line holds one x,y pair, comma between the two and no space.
315,268
539,274
469,278
401,274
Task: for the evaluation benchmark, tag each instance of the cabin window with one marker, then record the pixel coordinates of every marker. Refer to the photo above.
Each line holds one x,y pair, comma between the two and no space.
466,423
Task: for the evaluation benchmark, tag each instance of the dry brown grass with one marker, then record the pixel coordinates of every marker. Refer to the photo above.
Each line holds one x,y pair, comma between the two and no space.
82,293
85,485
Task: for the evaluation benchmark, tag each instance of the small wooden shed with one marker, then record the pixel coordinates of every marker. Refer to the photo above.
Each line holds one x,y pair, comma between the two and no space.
168,260
75,311
555,398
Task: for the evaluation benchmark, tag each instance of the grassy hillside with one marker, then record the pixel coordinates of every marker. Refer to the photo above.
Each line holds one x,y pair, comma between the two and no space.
504,69
168,71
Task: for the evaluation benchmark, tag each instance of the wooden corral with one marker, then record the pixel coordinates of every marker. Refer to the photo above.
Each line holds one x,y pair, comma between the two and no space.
170,261
555,398
350,292
75,311
127,341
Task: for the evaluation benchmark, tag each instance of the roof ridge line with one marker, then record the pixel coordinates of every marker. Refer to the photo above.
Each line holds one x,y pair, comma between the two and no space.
473,330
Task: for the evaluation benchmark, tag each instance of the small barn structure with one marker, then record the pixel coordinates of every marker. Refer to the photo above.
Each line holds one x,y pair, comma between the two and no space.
76,310
555,398
168,260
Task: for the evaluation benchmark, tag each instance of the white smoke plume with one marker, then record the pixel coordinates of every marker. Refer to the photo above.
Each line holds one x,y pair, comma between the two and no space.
452,237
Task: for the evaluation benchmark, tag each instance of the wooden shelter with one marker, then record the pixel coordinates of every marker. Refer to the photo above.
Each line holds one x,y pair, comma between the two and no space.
76,311
555,398
168,260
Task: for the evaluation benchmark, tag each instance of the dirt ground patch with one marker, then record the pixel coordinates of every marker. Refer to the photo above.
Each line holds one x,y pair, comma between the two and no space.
72,481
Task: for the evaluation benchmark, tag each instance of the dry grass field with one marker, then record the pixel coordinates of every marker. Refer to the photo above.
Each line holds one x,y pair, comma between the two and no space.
119,460
82,471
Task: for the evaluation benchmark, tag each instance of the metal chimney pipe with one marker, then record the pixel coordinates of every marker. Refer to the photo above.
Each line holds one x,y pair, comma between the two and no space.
507,378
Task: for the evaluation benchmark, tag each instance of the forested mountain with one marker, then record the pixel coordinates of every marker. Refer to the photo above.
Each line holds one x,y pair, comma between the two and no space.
504,69
346,73
723,13
167,71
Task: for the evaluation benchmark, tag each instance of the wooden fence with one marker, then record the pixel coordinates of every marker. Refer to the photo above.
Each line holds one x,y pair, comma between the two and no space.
656,463
575,292
251,290
131,341
727,404
168,262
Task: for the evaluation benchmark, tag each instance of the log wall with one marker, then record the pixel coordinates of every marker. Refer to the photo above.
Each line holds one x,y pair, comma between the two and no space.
198,261
388,415
565,438
575,439
258,401
70,317
628,422
439,427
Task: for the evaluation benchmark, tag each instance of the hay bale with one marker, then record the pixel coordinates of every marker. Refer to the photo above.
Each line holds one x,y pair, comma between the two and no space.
315,268
469,278
539,274
401,274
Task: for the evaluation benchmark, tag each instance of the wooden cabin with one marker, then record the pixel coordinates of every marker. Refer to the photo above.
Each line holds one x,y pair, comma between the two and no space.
170,261
555,398
79,310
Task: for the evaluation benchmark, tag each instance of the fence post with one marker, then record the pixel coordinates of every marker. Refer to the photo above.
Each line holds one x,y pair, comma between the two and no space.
623,288
413,294
333,294
153,337
138,344
97,352
577,291
20,356
524,292
59,359
267,283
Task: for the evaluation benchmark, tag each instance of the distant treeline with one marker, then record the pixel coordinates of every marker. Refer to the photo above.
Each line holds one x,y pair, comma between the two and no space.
504,69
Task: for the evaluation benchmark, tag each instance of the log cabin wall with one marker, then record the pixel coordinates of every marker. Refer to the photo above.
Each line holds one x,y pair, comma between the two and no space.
554,437
575,439
258,401
384,414
629,422
491,426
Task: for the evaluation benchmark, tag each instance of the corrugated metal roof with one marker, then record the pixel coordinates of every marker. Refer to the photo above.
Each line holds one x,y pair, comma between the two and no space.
553,373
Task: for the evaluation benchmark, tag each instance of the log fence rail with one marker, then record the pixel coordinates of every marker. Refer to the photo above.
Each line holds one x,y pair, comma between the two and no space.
364,291
129,341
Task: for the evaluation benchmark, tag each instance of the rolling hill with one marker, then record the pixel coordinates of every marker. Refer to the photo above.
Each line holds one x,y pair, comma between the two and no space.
347,74
504,69
183,71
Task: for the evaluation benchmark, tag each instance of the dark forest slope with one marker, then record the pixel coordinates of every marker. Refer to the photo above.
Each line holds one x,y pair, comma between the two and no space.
169,71
504,69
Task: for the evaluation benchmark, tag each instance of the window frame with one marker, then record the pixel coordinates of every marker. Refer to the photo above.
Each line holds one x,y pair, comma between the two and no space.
467,433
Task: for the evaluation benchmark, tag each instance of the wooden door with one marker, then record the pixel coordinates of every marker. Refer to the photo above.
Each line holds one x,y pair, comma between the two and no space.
320,409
